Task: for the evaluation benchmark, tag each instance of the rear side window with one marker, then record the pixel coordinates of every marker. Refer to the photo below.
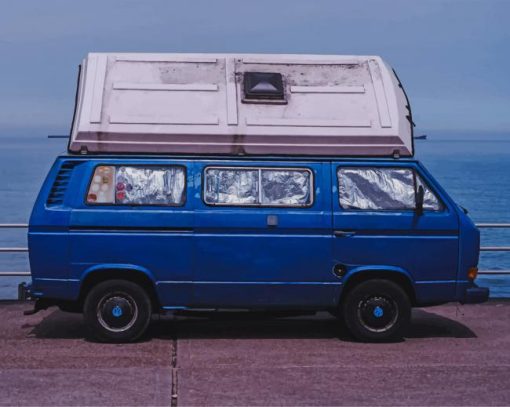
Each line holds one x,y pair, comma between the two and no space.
364,188
137,185
287,187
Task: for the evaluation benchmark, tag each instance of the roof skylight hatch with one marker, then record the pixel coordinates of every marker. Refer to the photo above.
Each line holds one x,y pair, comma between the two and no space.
263,87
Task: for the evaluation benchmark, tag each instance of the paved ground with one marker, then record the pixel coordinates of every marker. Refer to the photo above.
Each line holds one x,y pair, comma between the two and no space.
452,355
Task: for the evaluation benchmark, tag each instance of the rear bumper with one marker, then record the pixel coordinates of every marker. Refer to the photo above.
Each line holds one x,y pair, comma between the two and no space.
24,291
475,295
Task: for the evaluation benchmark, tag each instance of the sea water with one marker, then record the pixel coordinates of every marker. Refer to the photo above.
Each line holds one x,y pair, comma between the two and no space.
474,169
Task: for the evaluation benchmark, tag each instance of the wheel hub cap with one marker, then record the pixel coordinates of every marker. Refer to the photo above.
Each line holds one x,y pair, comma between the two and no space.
377,314
117,313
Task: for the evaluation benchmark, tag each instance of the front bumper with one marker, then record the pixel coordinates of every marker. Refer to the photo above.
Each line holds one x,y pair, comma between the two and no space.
475,295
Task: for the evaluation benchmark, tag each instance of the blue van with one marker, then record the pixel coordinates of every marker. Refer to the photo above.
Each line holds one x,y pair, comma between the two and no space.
254,182
120,238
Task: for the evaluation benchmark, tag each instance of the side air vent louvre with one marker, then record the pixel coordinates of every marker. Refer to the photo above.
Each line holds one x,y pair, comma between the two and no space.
58,190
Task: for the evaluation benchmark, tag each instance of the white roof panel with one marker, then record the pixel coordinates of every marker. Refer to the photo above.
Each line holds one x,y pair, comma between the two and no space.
195,104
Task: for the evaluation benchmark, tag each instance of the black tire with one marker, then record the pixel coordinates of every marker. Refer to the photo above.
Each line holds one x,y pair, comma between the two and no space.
70,306
117,311
376,311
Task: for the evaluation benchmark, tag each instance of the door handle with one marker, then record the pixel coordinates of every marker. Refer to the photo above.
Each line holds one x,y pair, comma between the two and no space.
344,233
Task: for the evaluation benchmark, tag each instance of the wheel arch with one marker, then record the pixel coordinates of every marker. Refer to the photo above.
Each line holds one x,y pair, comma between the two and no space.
138,275
396,275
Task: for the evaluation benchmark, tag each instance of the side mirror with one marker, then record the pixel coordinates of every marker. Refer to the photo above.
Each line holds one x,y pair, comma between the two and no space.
420,195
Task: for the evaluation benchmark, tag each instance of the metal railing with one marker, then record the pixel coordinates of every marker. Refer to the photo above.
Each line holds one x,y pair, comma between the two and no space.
14,250
478,225
494,248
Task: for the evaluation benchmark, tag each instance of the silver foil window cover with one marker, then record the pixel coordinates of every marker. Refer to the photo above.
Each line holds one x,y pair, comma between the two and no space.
382,189
258,187
149,185
232,186
288,187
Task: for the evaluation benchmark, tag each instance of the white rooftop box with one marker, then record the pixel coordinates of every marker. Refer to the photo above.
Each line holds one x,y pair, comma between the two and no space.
240,104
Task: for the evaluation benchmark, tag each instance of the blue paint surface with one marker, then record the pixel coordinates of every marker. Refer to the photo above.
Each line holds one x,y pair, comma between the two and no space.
204,256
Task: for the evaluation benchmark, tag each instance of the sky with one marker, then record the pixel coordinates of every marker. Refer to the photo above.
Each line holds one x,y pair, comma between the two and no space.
451,55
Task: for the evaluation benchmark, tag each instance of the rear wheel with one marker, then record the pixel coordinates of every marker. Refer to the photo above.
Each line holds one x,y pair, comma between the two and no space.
117,311
376,310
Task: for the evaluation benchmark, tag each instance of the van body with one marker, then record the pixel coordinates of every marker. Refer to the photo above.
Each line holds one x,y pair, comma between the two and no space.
215,254
245,182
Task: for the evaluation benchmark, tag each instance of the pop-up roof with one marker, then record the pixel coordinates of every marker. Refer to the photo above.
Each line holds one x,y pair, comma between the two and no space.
240,105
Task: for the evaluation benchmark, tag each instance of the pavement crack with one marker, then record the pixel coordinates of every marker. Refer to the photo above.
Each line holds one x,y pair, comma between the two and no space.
173,401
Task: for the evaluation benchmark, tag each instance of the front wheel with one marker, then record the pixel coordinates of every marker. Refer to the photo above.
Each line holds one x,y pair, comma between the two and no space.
117,311
376,310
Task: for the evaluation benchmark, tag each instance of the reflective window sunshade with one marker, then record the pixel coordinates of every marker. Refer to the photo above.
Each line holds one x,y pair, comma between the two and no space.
258,187
129,185
365,188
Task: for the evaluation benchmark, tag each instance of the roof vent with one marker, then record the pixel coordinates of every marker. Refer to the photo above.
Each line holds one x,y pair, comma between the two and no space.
58,190
265,86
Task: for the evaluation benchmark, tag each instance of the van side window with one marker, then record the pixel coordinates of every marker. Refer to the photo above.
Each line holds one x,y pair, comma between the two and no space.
363,188
288,187
129,185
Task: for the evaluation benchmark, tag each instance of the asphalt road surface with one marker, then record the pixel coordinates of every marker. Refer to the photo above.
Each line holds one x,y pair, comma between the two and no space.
452,355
